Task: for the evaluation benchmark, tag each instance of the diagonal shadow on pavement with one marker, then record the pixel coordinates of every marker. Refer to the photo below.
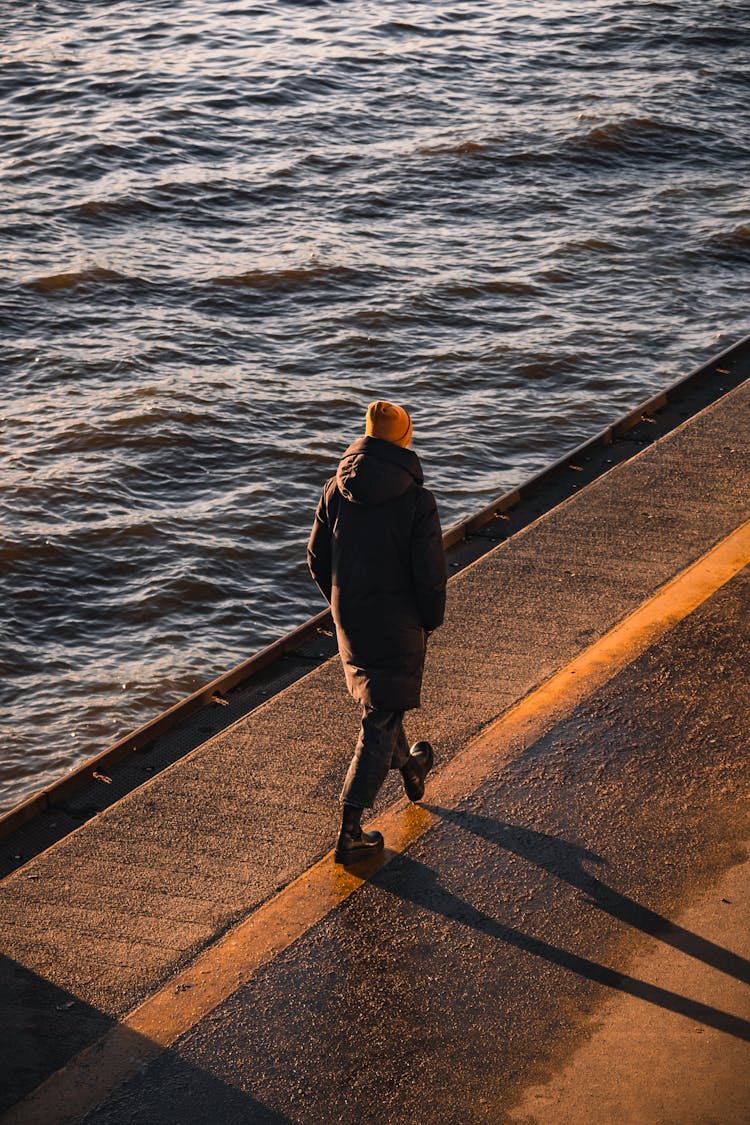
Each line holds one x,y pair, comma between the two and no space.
414,882
565,861
47,1026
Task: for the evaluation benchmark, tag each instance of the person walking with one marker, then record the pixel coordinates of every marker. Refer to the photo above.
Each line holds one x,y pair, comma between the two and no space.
376,554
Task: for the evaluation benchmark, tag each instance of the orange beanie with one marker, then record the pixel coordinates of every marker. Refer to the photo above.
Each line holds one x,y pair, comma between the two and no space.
392,423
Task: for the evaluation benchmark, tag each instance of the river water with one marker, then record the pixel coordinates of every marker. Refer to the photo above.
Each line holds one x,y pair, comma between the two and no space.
227,227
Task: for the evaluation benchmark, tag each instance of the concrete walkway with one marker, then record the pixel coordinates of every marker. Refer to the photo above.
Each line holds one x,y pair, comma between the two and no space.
520,954
645,783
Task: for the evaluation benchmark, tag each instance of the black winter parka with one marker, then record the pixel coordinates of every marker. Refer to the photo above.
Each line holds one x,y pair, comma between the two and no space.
376,553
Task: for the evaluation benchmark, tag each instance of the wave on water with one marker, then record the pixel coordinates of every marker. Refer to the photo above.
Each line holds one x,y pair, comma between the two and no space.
126,208
94,275
457,148
294,277
545,366
587,245
631,137
30,552
198,199
512,287
290,279
730,244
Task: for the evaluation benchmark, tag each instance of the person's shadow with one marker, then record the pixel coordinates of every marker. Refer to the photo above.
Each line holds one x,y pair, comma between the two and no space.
414,882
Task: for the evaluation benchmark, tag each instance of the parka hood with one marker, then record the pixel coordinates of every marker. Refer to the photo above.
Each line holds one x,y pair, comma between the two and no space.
373,471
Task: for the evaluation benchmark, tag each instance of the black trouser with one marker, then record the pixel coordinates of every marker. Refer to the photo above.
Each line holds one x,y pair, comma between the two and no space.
381,746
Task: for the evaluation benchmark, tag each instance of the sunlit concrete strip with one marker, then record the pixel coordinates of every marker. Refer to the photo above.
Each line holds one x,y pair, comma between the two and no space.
217,973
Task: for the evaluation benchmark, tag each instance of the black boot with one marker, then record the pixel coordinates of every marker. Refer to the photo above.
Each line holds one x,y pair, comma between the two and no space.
421,758
353,844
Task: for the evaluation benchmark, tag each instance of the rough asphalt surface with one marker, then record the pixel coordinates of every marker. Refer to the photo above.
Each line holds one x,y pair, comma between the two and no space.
474,963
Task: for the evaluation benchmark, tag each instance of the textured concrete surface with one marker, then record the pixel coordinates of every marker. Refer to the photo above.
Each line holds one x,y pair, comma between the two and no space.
462,978
645,1063
111,911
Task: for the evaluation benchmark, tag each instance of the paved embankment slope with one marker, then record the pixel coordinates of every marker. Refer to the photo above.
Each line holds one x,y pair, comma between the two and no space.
98,922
